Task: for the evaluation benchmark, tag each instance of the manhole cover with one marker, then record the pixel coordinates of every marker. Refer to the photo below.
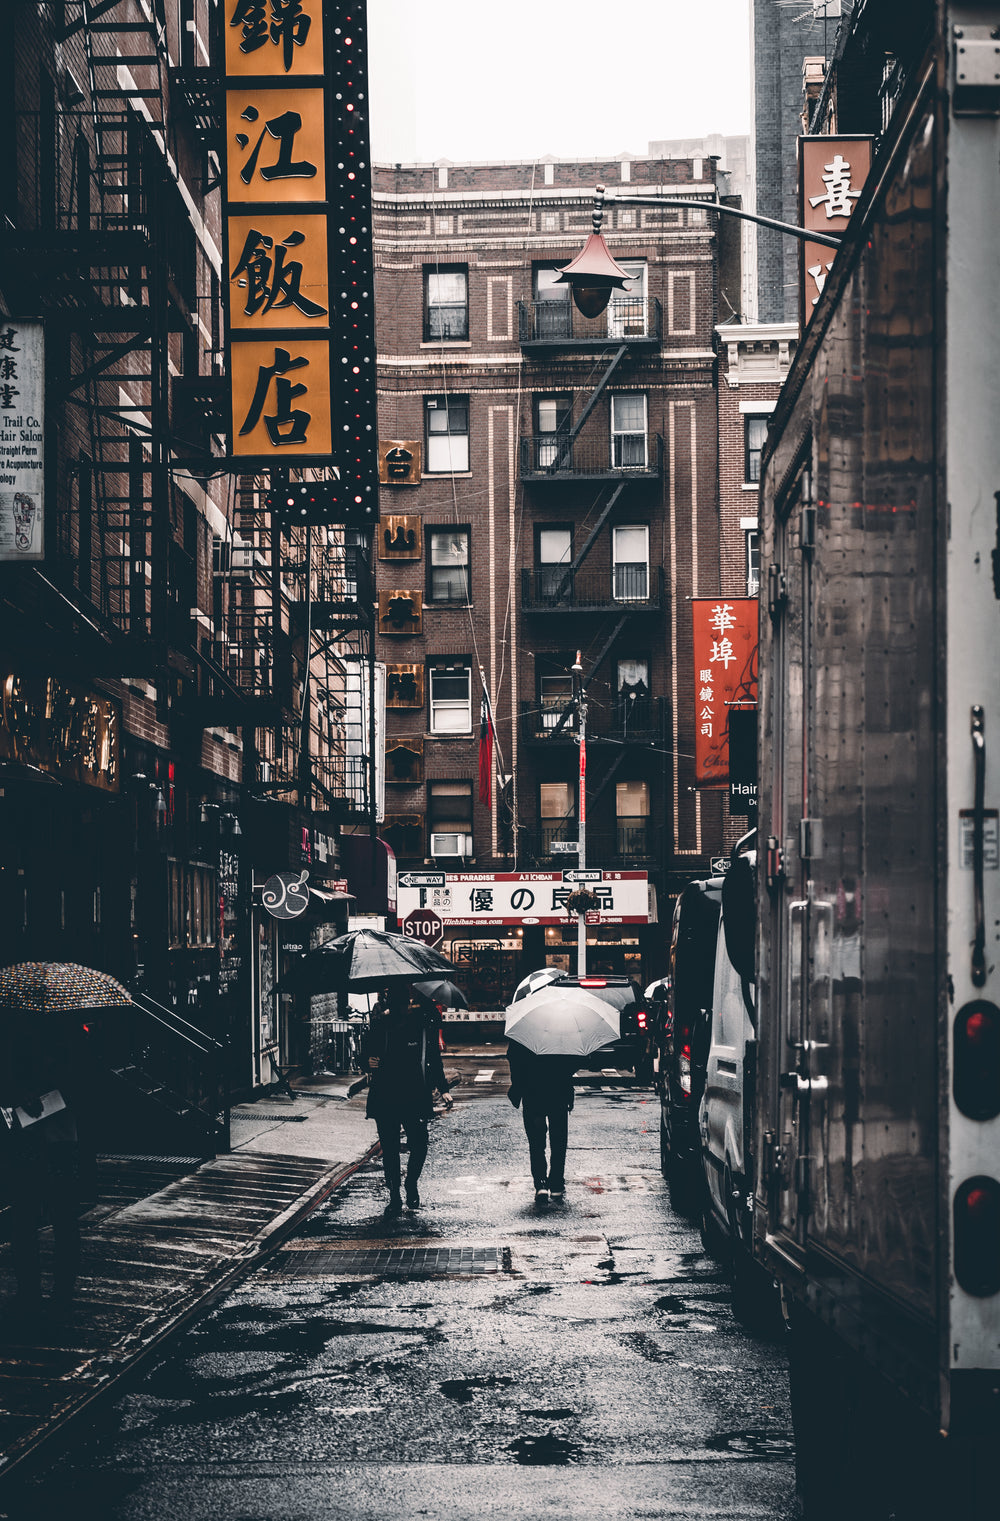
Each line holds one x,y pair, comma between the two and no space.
395,1262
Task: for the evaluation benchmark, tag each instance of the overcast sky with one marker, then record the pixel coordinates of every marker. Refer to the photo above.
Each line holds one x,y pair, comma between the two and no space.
461,80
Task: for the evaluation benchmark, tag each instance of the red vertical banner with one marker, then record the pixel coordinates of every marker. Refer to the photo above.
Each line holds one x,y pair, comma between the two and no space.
583,780
725,676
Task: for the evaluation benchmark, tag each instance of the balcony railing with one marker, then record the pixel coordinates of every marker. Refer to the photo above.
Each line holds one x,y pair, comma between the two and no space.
621,588
629,844
623,456
633,320
624,720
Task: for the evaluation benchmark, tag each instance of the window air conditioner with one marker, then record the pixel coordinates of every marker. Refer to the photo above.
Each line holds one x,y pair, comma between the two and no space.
451,844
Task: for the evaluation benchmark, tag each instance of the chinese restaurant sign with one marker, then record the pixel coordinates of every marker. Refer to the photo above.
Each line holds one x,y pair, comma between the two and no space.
22,428
299,275
725,676
478,900
832,173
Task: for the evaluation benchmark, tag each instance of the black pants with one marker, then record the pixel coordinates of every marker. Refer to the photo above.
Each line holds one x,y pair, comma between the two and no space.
555,1117
388,1127
42,1179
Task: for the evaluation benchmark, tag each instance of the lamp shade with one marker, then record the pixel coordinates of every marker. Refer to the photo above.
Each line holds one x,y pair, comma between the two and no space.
593,275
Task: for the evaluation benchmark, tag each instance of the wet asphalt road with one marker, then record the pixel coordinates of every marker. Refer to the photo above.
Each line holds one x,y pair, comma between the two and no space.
562,1360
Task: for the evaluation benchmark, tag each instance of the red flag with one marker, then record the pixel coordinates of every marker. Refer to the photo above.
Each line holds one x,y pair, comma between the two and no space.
485,751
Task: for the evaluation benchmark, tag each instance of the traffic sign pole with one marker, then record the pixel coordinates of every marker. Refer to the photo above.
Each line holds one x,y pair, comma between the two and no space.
581,707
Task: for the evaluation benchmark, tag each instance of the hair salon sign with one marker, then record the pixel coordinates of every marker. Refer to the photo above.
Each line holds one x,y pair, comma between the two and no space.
22,440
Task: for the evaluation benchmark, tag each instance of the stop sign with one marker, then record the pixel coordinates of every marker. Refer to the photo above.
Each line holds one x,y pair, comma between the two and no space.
423,924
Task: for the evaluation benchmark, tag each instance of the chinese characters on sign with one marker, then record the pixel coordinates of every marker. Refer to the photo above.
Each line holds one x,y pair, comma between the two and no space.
482,899
22,451
725,676
832,173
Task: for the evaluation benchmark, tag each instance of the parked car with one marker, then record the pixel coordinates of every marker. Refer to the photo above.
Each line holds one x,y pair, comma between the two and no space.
657,999
685,1046
726,1112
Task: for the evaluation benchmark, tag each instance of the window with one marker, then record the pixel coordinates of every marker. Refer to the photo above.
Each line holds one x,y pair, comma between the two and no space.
753,562
553,557
446,303
631,563
555,691
633,694
553,317
450,818
556,814
632,808
191,904
627,308
451,699
755,434
628,431
552,416
447,434
448,565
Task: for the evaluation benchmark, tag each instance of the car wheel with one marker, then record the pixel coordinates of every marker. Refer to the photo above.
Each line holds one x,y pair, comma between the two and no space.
686,1187
756,1303
664,1147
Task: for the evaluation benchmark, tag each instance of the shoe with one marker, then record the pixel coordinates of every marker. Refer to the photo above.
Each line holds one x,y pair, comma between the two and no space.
412,1198
395,1205
541,1189
556,1190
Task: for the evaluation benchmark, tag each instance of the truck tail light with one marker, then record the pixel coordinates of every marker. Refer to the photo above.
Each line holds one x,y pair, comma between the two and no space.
641,1017
684,1066
976,1060
977,1236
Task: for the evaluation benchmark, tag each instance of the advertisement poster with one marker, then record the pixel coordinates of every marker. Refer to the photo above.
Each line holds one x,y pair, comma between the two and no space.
22,441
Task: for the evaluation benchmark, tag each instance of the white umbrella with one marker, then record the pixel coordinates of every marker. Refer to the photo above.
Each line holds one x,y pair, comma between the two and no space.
536,980
567,1021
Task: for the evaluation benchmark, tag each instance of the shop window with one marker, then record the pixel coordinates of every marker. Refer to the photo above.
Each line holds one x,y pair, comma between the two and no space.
446,303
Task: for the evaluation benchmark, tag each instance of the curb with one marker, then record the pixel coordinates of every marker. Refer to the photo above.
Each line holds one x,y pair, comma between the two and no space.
117,1369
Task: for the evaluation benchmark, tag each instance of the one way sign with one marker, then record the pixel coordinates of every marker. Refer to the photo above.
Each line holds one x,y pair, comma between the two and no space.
421,879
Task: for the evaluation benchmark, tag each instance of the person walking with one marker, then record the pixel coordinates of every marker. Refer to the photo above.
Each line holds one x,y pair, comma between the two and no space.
402,1058
543,1087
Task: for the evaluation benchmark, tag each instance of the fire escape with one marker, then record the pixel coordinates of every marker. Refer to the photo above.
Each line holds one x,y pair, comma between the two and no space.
590,604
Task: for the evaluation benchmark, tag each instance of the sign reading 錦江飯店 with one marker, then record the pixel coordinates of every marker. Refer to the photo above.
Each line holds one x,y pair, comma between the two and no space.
300,335
477,899
725,677
22,440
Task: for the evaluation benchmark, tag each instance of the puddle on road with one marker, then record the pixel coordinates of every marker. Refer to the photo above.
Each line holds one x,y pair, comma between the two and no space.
462,1389
549,1415
753,1444
550,1450
646,1347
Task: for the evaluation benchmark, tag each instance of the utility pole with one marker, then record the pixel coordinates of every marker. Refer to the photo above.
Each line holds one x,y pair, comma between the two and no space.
581,709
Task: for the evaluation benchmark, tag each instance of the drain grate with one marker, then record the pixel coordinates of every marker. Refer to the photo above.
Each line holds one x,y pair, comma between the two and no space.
395,1262
266,1114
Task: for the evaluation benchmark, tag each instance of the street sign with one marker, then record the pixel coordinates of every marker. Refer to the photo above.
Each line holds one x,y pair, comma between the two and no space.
421,879
423,924
565,847
578,874
720,865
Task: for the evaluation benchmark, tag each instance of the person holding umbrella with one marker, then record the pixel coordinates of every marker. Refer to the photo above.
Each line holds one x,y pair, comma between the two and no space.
543,1087
403,1061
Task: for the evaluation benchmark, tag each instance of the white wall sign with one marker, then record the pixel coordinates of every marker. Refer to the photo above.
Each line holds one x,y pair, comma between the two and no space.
469,900
22,428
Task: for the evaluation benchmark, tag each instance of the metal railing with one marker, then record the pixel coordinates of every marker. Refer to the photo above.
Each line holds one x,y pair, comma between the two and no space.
631,843
634,320
621,588
622,456
625,720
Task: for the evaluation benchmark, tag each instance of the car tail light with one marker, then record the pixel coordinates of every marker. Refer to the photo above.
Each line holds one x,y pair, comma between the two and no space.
977,1236
593,982
684,1066
976,1060
641,1017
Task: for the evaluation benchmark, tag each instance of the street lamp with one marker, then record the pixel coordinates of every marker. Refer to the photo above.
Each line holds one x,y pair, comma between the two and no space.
593,274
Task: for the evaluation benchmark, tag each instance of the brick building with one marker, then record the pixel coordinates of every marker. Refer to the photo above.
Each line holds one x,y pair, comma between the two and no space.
550,484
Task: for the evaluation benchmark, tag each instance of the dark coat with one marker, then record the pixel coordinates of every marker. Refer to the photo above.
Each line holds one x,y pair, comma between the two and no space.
409,1068
542,1082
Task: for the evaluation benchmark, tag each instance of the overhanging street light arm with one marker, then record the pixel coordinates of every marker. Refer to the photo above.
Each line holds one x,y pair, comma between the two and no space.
807,234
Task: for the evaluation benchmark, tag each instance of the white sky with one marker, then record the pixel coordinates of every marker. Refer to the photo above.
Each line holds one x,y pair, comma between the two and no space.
464,80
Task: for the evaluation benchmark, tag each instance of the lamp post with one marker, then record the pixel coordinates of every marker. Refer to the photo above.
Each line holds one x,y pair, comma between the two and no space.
593,275
581,857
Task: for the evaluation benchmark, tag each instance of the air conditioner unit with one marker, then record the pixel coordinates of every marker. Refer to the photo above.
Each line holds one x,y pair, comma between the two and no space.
450,844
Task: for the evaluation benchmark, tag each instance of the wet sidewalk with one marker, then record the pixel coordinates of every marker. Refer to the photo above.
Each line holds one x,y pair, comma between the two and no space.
165,1237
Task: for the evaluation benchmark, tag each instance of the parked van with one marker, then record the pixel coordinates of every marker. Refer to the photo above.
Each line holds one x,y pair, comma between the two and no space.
726,1111
686,1038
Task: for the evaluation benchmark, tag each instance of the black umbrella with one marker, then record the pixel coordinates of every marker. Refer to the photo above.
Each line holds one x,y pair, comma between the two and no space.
441,992
364,959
